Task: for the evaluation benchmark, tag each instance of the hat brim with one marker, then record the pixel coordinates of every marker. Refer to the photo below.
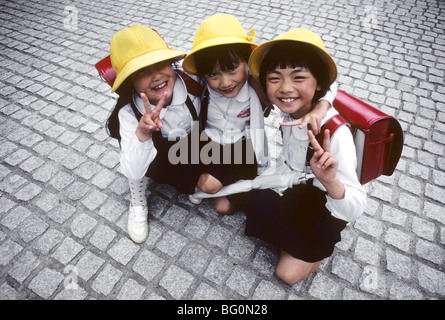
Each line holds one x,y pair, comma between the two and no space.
257,56
143,61
189,63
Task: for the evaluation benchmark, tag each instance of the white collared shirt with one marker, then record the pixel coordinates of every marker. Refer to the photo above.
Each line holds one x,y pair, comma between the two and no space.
228,118
136,156
342,146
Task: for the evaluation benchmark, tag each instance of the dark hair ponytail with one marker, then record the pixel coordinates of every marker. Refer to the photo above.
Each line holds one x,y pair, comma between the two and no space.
125,93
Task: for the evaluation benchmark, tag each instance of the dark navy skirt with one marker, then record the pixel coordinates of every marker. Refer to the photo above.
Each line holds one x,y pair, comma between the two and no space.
235,162
297,222
183,176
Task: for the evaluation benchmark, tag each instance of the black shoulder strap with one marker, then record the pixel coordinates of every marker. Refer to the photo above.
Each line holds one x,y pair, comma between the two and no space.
193,87
191,108
204,110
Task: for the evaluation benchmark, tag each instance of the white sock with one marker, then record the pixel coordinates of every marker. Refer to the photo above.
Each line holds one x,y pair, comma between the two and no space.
138,189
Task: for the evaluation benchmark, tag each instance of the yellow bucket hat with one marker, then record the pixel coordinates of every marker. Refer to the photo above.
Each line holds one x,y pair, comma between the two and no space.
137,47
219,29
296,35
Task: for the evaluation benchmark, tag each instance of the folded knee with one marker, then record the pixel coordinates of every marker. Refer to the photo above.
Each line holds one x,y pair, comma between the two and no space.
223,206
290,277
209,184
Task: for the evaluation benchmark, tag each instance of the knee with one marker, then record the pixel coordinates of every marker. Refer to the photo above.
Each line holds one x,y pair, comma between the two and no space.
209,184
290,276
223,206
291,270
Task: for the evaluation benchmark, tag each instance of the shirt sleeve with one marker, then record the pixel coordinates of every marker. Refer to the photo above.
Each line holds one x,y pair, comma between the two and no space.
135,156
354,202
330,94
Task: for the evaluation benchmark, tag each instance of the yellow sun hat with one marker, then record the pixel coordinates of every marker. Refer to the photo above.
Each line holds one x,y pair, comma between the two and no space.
296,35
219,29
137,47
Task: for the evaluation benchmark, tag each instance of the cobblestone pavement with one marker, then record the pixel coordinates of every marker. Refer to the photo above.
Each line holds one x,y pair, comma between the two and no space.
63,201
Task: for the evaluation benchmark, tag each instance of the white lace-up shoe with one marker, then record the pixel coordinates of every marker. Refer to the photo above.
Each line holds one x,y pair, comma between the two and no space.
137,223
194,200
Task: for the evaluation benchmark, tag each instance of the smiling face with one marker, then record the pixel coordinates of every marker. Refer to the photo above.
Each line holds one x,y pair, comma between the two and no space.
294,77
154,81
228,83
292,90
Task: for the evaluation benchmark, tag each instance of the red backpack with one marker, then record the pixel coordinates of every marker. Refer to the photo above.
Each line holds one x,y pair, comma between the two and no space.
378,137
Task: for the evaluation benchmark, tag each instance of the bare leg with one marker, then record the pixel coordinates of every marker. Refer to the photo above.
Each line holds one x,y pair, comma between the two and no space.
224,206
291,270
210,184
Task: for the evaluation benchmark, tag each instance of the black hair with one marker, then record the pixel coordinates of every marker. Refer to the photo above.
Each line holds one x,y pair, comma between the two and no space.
226,56
293,55
125,92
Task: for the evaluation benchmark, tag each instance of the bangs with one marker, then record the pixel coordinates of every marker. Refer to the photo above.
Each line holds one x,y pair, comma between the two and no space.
293,55
223,58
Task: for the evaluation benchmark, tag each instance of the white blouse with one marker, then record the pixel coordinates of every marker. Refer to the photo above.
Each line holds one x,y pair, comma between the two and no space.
136,156
296,142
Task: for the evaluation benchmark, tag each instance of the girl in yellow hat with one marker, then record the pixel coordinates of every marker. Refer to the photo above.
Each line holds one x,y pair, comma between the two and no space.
153,112
306,220
231,114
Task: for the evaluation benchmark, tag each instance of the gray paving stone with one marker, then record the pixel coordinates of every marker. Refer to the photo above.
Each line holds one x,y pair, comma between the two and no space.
67,250
123,251
367,251
241,281
402,291
148,265
102,237
31,228
94,199
46,282
106,280
131,290
176,281
172,243
24,266
206,292
194,258
88,265
82,224
48,240
12,219
268,291
64,200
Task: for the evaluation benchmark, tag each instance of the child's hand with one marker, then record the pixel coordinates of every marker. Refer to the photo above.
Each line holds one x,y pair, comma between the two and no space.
311,119
150,121
323,163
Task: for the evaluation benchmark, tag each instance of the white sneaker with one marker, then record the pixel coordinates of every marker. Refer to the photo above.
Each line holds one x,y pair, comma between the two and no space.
137,223
193,199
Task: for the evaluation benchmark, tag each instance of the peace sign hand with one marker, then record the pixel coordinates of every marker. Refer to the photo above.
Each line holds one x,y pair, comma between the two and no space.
150,121
324,164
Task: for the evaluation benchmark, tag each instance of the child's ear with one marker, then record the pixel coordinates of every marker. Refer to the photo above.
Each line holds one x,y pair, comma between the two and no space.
318,87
